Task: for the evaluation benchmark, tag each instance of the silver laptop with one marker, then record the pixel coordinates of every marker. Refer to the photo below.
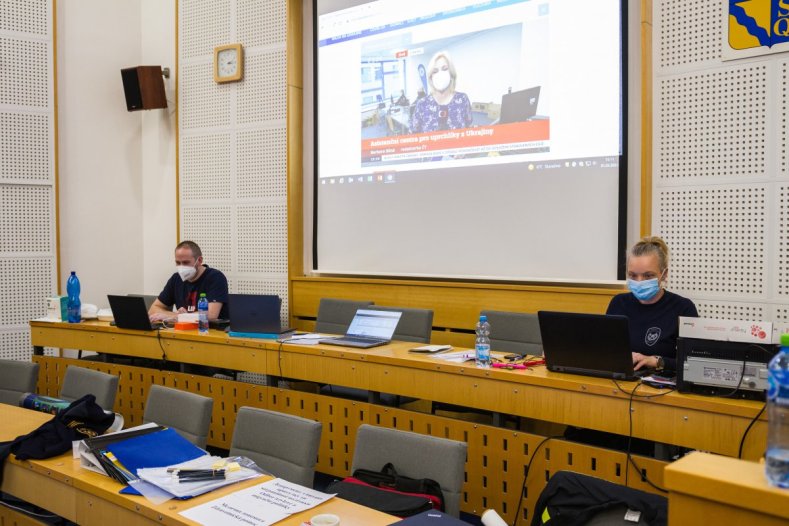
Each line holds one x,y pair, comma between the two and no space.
369,328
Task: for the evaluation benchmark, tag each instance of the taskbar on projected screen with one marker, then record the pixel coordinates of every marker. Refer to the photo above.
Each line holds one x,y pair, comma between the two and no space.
391,176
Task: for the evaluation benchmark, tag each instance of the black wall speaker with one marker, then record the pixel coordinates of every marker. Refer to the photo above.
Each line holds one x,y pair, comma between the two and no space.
143,87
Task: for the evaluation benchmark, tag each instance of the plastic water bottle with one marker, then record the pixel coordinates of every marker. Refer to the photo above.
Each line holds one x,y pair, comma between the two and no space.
73,306
202,314
777,461
482,345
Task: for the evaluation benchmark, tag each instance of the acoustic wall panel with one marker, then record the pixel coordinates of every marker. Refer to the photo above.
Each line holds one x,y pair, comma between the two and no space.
261,97
232,142
261,167
719,176
690,32
713,124
206,167
21,155
28,250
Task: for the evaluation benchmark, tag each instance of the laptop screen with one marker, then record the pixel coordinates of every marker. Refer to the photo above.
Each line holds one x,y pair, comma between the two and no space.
590,344
380,324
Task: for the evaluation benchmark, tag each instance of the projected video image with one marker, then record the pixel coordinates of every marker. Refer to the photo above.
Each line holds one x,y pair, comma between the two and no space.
468,95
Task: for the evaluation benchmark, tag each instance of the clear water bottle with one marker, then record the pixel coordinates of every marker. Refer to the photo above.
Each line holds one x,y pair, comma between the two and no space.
777,461
202,314
74,305
482,345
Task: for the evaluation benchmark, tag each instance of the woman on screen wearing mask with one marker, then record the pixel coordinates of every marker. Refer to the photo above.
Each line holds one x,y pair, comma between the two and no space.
444,108
652,311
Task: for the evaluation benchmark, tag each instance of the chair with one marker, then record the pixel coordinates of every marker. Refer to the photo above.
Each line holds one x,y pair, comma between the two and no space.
283,444
80,381
514,332
335,315
415,325
16,379
187,413
415,456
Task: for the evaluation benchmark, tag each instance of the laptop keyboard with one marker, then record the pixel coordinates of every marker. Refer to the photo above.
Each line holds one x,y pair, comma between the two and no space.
357,339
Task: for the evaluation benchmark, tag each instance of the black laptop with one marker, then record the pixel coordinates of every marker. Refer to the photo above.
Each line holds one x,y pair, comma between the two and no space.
588,344
519,106
255,315
130,312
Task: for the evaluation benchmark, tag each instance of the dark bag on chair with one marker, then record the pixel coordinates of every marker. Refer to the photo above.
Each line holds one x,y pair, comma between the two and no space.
389,492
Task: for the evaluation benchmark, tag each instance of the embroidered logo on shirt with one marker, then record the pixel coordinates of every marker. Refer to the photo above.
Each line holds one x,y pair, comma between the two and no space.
652,337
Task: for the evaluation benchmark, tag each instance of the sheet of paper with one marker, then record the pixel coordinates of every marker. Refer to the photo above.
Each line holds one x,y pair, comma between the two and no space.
455,357
259,505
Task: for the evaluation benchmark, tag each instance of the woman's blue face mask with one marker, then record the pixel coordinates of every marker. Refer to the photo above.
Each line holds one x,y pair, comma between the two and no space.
644,290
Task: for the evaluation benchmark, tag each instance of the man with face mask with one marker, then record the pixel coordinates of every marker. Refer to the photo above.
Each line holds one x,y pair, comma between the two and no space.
183,289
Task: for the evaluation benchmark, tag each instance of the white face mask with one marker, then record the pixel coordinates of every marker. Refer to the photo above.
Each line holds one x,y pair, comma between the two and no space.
186,272
441,79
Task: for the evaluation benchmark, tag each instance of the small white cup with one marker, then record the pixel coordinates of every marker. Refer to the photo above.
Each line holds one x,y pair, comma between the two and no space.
325,519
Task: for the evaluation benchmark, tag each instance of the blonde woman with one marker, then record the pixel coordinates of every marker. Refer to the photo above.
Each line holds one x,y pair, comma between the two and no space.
653,312
444,108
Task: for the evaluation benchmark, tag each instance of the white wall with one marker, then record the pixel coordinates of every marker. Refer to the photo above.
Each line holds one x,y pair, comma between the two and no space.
117,169
158,150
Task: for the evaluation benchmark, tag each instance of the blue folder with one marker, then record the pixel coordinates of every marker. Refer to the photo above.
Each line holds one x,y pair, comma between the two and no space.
154,450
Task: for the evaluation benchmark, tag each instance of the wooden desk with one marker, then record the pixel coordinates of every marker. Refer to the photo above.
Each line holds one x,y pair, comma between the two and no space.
87,498
710,489
494,468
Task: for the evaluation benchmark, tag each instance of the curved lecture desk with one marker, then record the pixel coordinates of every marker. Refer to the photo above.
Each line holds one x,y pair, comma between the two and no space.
88,498
496,455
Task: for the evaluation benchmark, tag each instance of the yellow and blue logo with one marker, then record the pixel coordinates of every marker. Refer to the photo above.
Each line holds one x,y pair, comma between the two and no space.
757,23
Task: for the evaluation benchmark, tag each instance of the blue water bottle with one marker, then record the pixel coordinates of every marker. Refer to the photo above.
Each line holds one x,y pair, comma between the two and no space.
482,345
73,305
202,314
777,458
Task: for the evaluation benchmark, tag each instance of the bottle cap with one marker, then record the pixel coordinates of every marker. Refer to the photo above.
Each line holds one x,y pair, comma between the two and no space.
785,339
202,294
483,318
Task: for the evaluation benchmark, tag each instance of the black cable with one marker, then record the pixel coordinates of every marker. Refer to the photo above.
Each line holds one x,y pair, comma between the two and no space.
161,346
745,434
742,372
526,476
630,459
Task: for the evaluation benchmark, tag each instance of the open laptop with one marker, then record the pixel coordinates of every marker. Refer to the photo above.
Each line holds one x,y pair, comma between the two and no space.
369,328
519,106
254,315
588,344
130,312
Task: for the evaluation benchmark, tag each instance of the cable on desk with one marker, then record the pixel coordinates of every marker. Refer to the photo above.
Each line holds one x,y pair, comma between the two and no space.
526,476
745,434
742,372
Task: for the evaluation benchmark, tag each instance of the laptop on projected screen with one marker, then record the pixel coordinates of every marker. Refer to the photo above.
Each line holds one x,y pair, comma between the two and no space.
369,328
588,344
519,106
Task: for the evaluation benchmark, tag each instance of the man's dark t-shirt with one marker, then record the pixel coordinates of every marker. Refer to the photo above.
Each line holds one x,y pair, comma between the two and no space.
654,327
186,293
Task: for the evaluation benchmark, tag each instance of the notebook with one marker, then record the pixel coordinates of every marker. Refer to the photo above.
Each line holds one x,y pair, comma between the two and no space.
369,328
588,344
130,312
255,315
519,106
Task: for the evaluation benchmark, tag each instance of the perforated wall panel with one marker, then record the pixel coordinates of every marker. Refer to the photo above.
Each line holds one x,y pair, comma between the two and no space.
259,98
713,124
21,155
232,149
720,172
26,218
27,178
689,31
262,166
